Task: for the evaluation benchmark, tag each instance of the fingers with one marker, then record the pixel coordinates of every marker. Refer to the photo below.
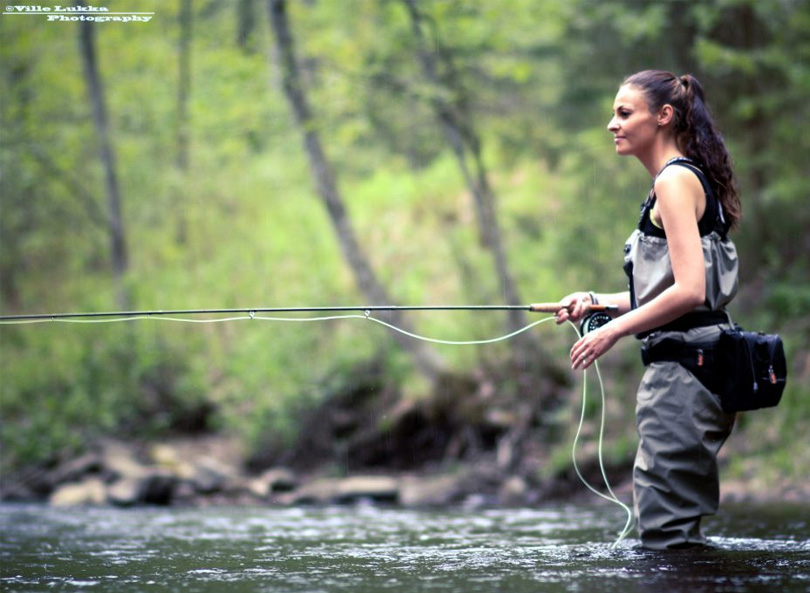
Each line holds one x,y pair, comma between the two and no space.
573,308
593,345
583,354
581,360
580,307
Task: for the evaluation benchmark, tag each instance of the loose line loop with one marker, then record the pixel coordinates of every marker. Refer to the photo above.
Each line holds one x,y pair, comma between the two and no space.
611,496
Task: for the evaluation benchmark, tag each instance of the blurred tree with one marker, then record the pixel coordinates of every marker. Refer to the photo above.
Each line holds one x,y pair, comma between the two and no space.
185,21
183,123
245,24
115,223
756,58
427,361
449,103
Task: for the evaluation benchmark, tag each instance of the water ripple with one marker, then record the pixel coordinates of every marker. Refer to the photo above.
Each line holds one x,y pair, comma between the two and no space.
370,550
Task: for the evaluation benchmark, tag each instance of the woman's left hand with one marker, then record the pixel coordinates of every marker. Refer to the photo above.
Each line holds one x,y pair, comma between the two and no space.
593,345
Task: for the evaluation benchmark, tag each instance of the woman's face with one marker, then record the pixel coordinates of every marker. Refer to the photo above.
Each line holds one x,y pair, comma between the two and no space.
633,126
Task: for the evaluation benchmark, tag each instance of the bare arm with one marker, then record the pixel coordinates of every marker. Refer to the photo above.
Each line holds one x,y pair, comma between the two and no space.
680,204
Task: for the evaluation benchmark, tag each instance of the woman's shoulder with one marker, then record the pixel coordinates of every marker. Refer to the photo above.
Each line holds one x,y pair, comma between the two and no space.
677,180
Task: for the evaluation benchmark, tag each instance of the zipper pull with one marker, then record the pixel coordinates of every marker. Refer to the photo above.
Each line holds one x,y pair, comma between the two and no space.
700,357
772,375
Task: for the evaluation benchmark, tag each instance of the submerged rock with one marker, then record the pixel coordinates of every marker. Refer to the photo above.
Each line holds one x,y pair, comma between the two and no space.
91,491
379,489
430,491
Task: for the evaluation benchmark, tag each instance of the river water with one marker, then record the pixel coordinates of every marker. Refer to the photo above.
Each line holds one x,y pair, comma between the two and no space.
762,548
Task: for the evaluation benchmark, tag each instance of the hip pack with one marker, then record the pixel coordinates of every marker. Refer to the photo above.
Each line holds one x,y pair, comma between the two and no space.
746,370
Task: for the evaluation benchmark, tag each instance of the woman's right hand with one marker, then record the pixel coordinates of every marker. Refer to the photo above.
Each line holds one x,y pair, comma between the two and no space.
573,308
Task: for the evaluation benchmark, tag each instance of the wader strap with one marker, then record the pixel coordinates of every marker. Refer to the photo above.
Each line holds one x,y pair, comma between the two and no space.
690,321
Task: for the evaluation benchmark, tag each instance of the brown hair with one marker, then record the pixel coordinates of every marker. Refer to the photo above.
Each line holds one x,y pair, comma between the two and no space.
695,131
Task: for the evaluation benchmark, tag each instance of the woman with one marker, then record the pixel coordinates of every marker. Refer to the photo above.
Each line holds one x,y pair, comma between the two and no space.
683,272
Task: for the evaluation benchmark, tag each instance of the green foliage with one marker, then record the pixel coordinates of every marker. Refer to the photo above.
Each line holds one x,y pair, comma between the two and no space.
65,385
241,226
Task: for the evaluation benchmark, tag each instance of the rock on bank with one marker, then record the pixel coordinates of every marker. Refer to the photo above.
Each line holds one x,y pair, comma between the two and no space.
206,472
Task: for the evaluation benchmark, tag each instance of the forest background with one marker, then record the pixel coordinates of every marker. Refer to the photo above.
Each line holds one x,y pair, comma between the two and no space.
243,153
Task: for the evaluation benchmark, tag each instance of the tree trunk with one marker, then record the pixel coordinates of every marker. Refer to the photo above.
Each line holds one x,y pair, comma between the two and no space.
183,134
466,145
115,225
184,84
427,361
245,24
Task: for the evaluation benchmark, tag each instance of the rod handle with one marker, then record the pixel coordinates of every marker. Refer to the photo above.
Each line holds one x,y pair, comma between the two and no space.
554,307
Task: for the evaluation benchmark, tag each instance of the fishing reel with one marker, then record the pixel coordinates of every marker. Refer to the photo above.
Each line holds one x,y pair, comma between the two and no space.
593,321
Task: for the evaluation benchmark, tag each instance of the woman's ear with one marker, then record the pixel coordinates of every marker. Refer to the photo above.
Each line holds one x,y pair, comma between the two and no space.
665,115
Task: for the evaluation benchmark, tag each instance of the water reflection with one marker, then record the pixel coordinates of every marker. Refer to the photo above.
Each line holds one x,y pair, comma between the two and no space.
727,569
369,550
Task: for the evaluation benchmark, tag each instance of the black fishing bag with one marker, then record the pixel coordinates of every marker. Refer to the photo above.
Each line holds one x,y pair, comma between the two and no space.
746,370
750,368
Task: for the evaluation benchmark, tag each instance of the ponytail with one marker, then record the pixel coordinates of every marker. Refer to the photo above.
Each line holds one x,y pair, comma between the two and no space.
695,132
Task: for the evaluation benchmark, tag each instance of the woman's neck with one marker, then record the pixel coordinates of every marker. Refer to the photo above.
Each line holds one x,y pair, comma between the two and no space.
657,157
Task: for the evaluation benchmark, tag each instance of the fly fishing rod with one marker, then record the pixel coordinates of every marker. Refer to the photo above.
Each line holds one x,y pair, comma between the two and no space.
534,308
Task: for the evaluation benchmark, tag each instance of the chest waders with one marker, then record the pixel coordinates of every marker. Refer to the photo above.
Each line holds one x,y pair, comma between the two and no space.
680,423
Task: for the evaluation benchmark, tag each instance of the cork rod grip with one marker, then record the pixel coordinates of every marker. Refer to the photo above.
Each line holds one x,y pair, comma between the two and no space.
554,307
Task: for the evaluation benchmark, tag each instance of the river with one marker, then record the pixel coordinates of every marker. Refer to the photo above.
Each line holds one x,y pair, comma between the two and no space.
364,549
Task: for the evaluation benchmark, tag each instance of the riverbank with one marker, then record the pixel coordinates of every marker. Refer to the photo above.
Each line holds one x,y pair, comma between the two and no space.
211,470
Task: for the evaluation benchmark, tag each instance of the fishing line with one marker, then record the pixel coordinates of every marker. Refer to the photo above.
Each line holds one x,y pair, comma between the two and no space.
611,496
367,315
251,316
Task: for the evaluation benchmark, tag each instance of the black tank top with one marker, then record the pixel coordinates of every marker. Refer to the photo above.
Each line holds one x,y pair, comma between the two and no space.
712,219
